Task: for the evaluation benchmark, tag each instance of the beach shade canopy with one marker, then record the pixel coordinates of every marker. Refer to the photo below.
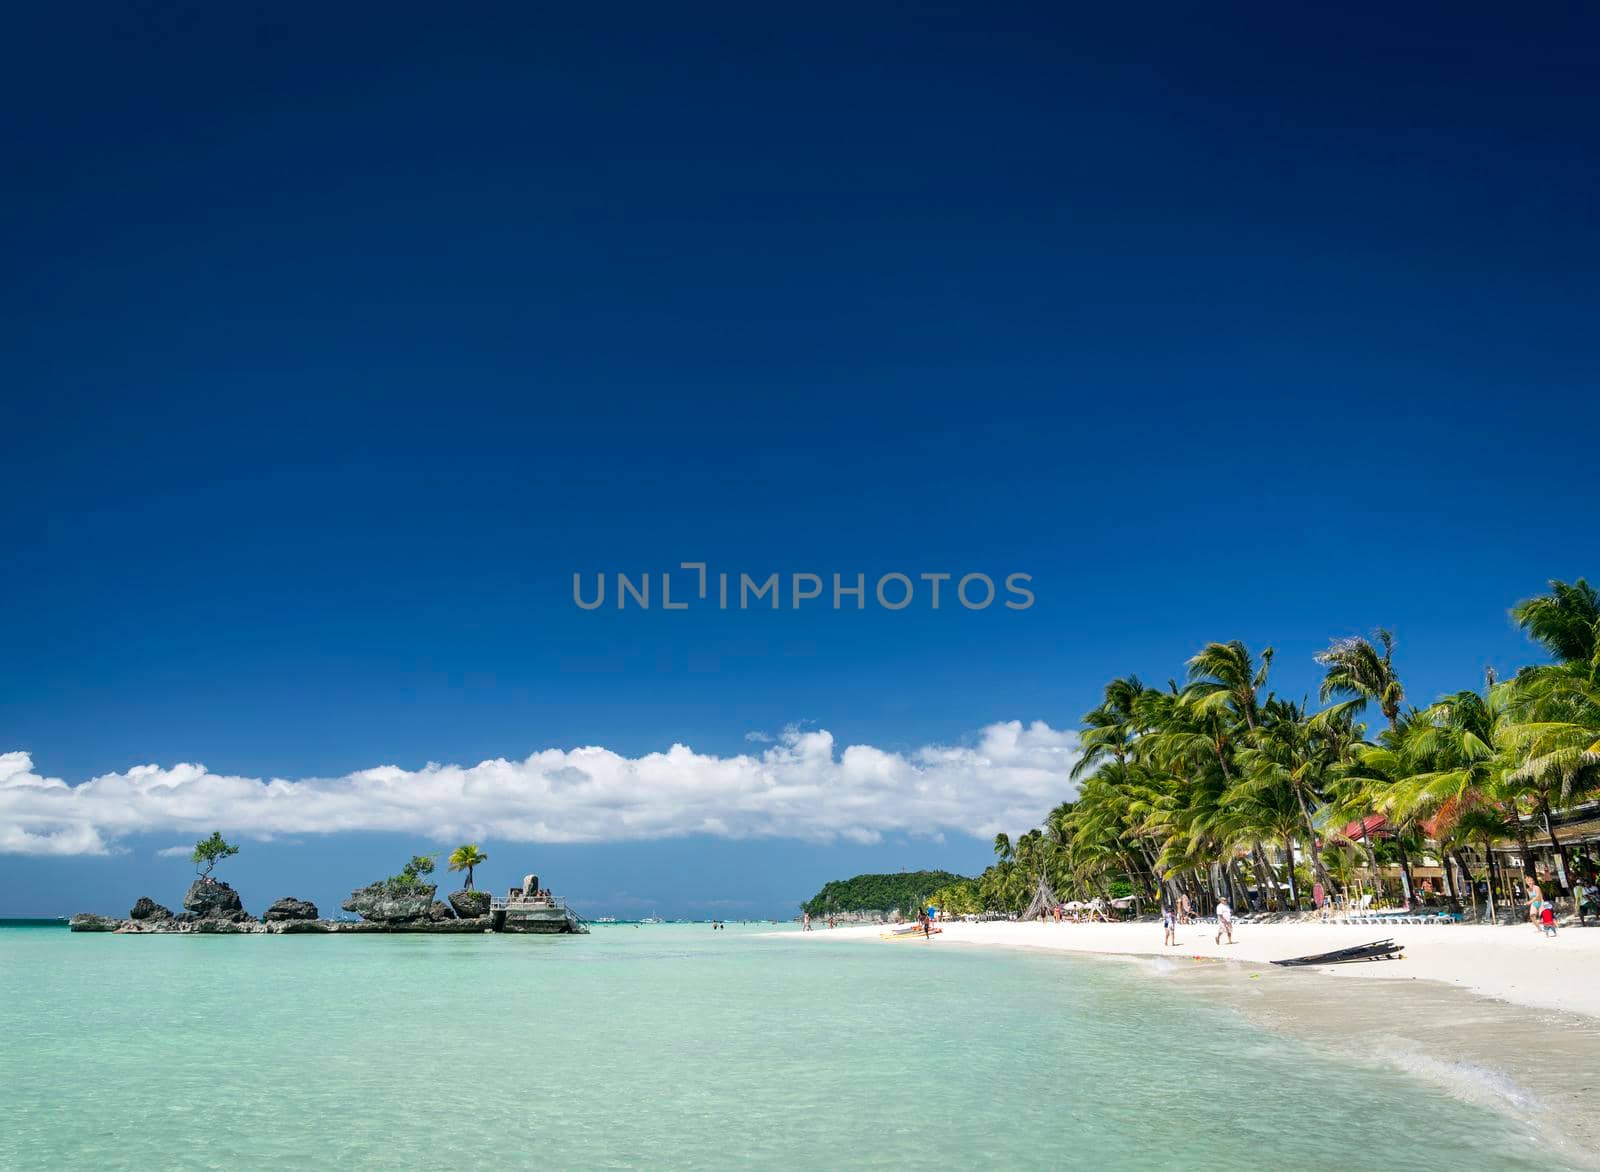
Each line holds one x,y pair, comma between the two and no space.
1074,906
1125,901
1043,899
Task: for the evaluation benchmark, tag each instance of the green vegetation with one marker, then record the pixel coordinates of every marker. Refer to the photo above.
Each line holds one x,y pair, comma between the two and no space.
208,852
411,875
465,858
865,893
1219,787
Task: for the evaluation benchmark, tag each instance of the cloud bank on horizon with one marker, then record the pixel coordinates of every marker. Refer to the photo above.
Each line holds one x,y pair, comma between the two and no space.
801,787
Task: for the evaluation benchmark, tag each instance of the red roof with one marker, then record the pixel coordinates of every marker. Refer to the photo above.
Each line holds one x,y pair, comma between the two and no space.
1372,824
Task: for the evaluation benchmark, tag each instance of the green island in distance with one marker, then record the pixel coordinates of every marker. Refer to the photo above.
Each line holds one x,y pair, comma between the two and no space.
901,891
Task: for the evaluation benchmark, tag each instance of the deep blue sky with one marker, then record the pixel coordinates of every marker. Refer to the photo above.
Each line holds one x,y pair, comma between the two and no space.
332,343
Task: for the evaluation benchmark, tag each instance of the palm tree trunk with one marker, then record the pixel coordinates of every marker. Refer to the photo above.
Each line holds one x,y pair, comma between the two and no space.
1488,855
1529,871
1563,864
1450,877
1241,893
1265,879
1317,868
1466,877
1372,862
1405,870
1294,896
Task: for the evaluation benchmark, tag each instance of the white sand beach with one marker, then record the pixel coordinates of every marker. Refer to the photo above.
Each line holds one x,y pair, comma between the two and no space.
1512,963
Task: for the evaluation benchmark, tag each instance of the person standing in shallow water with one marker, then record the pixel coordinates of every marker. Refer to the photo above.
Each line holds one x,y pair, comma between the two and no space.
806,922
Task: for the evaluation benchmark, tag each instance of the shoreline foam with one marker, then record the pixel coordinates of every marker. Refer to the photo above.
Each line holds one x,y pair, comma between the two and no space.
1495,1016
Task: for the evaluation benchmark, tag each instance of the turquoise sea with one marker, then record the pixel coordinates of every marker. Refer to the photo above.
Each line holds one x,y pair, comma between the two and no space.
670,1046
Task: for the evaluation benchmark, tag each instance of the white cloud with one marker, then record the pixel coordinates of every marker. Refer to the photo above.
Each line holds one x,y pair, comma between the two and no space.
175,852
801,787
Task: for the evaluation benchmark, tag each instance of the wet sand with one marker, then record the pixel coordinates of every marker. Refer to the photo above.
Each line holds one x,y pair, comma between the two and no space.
1540,1065
1496,1016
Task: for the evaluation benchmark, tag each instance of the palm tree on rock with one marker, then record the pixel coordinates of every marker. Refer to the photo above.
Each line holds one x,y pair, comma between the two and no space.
465,858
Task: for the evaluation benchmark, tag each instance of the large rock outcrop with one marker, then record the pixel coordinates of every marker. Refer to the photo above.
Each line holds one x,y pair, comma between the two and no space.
212,899
145,908
469,905
88,922
388,903
290,908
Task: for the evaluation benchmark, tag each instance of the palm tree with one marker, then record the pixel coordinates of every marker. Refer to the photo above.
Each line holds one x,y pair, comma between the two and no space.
1552,730
1356,668
1566,622
465,858
1110,730
1292,752
1455,769
1002,847
1222,675
1185,785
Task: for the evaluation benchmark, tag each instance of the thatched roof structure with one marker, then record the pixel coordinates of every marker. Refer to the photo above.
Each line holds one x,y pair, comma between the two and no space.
1044,899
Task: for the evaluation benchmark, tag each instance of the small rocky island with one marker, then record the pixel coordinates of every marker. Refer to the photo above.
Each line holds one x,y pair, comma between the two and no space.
401,903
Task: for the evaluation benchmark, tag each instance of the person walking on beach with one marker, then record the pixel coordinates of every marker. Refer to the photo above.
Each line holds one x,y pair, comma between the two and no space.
807,922
1169,922
1224,921
1587,899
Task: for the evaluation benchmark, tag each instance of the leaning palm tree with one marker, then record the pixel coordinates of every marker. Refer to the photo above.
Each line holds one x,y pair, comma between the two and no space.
465,858
1358,669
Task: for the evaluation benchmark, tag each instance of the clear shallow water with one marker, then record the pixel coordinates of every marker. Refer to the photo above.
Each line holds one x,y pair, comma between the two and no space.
669,1046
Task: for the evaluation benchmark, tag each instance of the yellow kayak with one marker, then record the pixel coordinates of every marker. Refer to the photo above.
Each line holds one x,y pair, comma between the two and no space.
908,934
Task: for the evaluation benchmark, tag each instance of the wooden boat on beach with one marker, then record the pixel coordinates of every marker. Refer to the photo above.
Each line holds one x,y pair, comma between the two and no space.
1377,950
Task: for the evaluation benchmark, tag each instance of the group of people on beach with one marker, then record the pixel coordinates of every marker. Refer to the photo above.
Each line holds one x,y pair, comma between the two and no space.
1179,911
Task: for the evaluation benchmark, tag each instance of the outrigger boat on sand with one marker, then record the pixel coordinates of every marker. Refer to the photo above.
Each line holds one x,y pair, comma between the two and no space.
1377,950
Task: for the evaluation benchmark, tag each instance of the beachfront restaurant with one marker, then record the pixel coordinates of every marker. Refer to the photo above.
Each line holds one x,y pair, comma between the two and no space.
1576,830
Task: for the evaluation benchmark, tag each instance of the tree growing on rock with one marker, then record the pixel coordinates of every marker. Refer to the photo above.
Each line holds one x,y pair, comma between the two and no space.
208,852
466,857
411,874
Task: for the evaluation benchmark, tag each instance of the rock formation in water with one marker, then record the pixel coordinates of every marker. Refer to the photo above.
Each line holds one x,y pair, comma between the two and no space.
89,922
470,905
145,908
290,908
212,899
389,903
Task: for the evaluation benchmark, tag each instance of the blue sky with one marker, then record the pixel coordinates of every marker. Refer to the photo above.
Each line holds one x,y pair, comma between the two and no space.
332,348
